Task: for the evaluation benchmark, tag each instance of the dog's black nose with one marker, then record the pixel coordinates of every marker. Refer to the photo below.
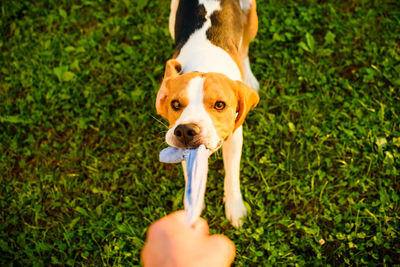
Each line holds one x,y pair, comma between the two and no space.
186,133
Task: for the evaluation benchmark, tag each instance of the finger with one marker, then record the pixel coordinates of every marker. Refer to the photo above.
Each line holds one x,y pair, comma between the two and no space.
175,218
200,227
179,215
144,255
224,246
179,218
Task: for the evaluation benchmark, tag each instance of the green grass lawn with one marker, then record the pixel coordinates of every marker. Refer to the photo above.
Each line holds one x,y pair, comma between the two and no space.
79,134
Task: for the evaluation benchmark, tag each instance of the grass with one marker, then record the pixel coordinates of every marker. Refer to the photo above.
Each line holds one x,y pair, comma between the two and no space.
79,135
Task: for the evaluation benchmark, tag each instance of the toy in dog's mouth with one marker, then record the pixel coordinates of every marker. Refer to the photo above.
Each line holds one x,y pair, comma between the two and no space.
195,145
197,168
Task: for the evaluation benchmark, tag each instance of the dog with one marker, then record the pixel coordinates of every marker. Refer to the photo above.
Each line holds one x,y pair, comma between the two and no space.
208,87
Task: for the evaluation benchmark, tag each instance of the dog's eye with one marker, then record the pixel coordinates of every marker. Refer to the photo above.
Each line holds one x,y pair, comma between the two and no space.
175,105
219,105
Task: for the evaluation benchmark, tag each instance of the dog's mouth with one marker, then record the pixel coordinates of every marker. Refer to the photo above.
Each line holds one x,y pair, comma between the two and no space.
195,145
187,136
212,150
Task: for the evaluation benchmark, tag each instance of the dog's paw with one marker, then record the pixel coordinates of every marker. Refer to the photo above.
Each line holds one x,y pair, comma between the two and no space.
235,211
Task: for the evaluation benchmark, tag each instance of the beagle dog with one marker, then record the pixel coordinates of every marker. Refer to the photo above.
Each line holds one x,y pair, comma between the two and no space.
208,87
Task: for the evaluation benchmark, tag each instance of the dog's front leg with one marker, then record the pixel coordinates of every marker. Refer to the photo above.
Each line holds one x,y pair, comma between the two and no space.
232,150
184,170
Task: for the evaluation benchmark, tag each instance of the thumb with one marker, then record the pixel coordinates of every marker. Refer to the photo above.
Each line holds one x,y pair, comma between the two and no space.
224,246
200,227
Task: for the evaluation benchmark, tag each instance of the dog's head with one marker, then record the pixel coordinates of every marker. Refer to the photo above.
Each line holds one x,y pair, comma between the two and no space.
202,108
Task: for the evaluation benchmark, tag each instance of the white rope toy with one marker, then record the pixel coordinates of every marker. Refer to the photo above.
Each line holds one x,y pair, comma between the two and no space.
197,168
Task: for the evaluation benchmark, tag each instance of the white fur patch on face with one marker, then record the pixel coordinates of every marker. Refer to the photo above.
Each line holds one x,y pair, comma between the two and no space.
196,113
199,54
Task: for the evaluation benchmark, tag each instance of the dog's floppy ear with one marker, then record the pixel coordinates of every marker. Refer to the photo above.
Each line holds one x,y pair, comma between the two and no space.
172,69
247,99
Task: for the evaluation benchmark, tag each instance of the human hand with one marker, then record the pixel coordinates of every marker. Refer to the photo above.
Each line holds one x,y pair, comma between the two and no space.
170,242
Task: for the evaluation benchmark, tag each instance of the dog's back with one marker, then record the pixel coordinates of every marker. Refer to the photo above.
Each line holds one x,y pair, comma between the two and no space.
214,36
226,28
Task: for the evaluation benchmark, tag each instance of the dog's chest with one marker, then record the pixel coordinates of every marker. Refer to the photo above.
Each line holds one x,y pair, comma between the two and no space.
207,34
